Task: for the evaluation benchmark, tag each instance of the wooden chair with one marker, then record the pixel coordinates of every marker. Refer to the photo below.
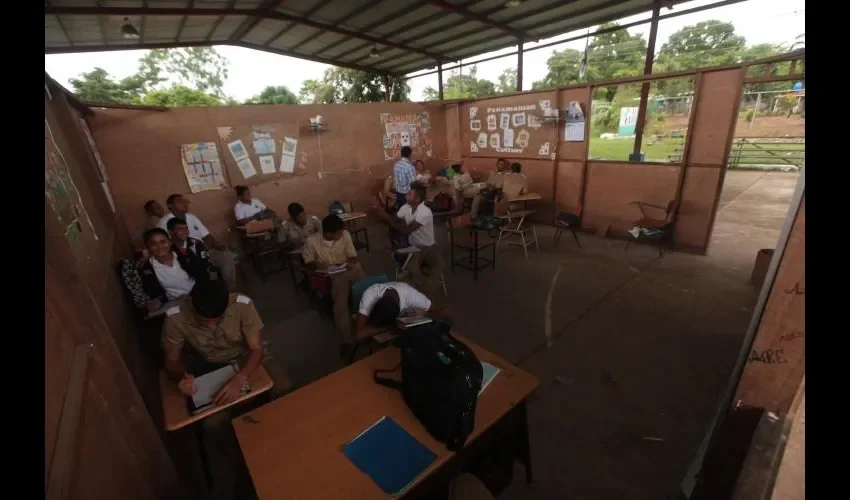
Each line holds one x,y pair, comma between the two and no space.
356,227
663,228
402,259
566,221
470,240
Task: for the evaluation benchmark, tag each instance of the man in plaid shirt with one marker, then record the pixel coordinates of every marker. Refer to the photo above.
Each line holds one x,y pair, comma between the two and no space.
404,174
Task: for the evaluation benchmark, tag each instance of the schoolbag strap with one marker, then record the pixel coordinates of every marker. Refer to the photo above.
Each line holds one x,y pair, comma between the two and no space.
385,381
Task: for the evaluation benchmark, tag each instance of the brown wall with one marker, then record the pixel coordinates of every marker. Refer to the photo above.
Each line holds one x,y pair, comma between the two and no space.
141,150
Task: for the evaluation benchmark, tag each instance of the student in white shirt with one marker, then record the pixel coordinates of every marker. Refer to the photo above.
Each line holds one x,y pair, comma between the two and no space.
383,303
220,256
165,274
248,208
416,220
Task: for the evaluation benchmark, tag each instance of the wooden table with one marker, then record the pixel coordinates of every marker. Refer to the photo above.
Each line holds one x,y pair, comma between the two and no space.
293,446
351,217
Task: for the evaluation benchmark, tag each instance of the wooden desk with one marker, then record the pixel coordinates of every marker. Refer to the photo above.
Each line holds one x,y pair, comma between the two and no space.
293,446
176,414
349,217
526,197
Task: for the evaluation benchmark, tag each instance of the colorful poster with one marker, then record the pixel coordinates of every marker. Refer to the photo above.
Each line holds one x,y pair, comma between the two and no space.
290,145
495,141
491,122
60,191
518,119
202,166
482,140
407,129
504,121
522,138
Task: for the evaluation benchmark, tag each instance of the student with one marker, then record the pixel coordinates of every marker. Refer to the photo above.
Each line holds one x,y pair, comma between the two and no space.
220,327
185,245
383,303
300,226
220,256
404,174
334,247
516,170
416,221
462,182
497,177
165,274
155,212
422,175
248,208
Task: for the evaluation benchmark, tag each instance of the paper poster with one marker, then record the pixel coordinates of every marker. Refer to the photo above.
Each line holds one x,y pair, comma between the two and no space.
237,149
518,119
405,139
388,142
224,132
482,140
287,164
475,125
491,122
408,129
508,140
545,104
473,112
544,149
533,121
267,164
494,141
574,127
522,138
290,145
246,166
202,166
504,120
263,143
473,147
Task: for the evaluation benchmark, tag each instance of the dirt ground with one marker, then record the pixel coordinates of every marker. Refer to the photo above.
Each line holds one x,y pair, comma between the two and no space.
643,346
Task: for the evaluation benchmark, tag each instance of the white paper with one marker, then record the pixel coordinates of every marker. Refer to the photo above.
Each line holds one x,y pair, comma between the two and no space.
264,144
237,149
473,146
504,120
482,140
574,124
290,145
267,164
518,119
533,121
287,164
405,139
475,125
544,149
522,139
473,112
209,384
491,122
494,140
545,104
508,140
388,141
210,153
201,166
246,166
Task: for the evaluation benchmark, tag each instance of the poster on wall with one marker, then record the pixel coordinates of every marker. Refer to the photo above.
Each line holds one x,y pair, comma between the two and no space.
574,124
246,166
287,160
508,129
407,129
267,164
263,143
628,121
202,166
60,192
237,149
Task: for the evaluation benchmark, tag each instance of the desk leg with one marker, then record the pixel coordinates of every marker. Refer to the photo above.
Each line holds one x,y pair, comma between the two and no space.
524,443
202,450
475,256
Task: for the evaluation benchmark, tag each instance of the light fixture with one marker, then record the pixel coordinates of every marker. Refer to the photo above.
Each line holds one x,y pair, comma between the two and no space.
374,52
513,3
129,31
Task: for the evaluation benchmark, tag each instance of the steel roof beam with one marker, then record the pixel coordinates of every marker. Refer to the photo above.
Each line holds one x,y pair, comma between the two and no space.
475,16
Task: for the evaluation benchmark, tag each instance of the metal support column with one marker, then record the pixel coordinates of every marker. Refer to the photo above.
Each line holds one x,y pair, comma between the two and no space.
644,90
519,67
440,80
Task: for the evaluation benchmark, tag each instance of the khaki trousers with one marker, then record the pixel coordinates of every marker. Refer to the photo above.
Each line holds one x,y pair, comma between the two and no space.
341,292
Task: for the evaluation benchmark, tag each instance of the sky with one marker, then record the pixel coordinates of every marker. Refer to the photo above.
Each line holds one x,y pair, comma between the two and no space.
759,21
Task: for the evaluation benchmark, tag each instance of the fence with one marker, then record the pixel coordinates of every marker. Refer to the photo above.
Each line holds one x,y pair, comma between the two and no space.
762,152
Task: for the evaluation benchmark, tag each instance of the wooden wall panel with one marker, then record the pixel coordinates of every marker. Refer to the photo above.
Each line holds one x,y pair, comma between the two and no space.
574,150
453,136
777,362
569,183
693,220
716,112
612,186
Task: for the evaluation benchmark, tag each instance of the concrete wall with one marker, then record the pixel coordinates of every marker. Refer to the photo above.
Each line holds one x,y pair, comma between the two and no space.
141,150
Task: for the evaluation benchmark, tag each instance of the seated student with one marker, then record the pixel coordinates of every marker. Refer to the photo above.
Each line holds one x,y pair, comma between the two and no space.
516,173
416,221
248,208
383,303
221,257
422,175
463,183
184,244
496,178
167,275
300,226
334,247
155,212
220,327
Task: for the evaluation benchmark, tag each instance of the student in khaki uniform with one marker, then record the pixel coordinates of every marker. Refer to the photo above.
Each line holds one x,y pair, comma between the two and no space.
334,247
300,226
221,327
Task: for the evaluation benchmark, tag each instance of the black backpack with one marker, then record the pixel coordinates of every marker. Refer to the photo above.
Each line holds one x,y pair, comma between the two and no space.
440,381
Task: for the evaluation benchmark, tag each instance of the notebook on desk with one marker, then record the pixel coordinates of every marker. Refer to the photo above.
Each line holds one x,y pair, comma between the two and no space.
208,385
389,455
411,321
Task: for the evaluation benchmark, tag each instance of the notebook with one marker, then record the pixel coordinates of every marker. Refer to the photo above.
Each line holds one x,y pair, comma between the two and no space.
411,321
490,373
208,385
389,455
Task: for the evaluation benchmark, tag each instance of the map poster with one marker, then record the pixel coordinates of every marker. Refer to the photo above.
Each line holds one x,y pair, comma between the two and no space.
407,129
202,166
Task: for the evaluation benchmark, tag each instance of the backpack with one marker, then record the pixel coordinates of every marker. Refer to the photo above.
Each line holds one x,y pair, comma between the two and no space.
440,381
336,208
442,203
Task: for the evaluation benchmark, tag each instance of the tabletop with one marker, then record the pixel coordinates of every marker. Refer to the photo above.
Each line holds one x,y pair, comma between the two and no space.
352,216
176,413
293,445
527,197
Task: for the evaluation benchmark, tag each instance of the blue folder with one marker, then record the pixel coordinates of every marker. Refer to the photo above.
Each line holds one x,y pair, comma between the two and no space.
389,455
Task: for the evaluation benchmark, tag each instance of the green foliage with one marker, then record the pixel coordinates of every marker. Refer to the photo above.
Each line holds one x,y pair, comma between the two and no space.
563,69
507,81
459,86
98,86
340,85
274,95
707,43
180,95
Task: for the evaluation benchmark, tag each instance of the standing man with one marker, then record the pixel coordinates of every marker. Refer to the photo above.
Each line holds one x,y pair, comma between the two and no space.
220,256
416,220
404,174
334,247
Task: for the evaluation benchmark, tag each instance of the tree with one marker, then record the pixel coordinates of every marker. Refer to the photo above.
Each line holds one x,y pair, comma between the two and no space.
563,69
274,95
507,81
98,86
340,85
201,68
705,44
459,86
180,95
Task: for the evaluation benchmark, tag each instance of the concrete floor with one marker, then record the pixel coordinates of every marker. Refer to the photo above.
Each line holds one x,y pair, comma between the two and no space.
642,346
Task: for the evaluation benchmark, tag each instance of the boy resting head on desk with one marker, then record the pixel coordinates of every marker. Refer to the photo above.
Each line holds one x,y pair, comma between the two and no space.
383,303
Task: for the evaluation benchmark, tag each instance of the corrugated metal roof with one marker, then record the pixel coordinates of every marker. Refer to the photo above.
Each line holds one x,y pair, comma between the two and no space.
410,35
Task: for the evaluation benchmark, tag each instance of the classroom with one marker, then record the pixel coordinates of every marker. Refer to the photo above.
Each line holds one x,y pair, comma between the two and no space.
626,313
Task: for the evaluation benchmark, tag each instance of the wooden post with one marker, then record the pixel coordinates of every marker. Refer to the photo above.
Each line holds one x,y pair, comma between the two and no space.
647,70
440,80
519,67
